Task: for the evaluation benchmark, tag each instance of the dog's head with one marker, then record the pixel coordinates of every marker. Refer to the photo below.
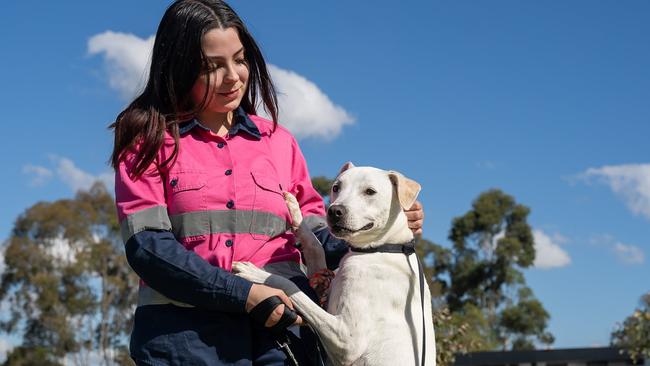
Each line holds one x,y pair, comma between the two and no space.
367,203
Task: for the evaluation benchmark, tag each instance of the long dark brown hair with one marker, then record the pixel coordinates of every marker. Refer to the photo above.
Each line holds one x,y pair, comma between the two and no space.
176,62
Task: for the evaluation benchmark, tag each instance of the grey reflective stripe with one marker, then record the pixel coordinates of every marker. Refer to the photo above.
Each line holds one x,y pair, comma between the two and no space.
149,296
286,269
150,218
227,221
315,223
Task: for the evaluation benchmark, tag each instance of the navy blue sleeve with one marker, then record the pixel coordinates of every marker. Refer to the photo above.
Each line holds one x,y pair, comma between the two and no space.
334,248
182,275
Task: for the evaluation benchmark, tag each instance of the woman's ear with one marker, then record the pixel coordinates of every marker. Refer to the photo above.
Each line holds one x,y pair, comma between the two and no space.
407,189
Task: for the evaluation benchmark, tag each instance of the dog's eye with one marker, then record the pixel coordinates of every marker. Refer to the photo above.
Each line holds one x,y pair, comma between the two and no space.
370,191
335,188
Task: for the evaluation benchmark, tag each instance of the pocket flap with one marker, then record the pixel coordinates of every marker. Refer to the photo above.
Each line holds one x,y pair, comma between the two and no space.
185,181
267,182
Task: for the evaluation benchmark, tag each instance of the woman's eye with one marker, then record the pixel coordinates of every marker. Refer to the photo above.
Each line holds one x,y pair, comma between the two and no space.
241,61
210,67
370,191
335,188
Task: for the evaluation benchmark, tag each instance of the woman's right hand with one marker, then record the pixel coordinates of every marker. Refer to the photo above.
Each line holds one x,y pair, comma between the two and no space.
259,293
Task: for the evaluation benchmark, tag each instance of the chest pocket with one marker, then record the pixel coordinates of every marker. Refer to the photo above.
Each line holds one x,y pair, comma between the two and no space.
187,195
270,213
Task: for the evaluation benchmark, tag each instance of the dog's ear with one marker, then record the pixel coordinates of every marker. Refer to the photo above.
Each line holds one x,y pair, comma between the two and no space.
346,166
407,189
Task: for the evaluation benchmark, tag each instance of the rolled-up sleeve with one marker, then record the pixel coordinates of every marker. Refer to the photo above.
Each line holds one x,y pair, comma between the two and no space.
155,254
140,202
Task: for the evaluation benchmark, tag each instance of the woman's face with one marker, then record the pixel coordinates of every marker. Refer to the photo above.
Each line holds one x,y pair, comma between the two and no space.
228,71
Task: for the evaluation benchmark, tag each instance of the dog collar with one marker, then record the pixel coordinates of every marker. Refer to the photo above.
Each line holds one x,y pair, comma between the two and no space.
408,248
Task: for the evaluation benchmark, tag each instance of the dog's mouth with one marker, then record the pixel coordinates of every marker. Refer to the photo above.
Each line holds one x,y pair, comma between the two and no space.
344,230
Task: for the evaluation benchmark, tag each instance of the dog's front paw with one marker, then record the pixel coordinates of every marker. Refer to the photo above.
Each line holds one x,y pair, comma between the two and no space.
250,272
294,209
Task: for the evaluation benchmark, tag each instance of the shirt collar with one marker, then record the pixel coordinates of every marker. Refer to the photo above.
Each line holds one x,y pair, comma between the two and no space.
241,123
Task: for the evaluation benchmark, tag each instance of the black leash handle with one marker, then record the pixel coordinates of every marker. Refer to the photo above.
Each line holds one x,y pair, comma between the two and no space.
263,310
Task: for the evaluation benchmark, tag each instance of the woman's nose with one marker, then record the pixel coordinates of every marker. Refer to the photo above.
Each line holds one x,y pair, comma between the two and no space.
231,75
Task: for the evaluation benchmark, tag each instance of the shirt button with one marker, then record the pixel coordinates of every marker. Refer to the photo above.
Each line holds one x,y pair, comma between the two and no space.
221,145
229,243
173,182
229,171
230,204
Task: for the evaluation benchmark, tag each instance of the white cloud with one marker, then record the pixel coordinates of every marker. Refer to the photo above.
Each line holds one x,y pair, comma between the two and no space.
127,58
40,174
625,253
548,253
304,109
631,182
77,179
66,170
629,254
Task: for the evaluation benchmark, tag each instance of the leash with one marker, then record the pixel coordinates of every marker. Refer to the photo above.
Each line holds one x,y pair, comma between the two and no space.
406,249
284,345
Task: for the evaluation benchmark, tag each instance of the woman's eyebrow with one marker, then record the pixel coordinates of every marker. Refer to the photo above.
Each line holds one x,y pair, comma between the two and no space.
216,58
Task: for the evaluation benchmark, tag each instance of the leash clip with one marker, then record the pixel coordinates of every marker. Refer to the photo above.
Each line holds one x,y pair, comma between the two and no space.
284,345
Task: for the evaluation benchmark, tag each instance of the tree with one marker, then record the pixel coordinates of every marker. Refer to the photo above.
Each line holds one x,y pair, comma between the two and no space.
67,280
435,263
323,185
31,356
633,336
523,320
491,243
454,334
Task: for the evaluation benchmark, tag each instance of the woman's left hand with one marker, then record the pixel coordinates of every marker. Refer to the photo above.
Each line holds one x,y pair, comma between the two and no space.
415,216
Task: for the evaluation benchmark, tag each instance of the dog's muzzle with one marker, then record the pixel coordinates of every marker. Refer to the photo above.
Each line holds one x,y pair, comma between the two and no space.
336,213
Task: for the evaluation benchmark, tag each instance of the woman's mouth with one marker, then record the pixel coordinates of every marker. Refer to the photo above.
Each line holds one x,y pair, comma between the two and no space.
231,94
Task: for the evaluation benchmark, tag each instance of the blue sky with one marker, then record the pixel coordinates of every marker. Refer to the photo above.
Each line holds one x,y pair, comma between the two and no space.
548,101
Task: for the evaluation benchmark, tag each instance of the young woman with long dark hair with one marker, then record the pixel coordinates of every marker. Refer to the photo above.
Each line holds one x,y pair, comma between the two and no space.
199,182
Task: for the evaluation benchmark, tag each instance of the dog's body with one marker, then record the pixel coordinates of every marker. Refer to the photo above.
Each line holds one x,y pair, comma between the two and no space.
374,314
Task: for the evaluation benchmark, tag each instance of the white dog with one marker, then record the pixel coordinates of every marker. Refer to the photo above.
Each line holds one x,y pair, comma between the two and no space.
374,315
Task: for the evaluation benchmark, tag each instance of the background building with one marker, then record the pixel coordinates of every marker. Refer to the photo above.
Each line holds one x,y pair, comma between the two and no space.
605,356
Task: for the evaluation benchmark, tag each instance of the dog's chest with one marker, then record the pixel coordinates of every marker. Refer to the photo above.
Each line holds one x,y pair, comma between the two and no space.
374,285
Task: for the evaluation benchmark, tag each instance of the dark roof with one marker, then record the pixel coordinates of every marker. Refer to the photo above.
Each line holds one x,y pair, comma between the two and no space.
582,355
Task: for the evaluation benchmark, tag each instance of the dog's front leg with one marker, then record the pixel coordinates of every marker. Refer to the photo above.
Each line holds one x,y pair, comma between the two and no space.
342,338
312,249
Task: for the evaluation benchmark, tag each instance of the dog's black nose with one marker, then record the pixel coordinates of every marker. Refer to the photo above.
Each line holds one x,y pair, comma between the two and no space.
336,212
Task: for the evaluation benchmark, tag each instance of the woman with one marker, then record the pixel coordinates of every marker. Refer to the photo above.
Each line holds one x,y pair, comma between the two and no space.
199,181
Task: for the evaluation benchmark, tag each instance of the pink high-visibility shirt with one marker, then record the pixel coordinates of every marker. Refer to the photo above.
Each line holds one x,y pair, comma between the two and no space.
222,198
